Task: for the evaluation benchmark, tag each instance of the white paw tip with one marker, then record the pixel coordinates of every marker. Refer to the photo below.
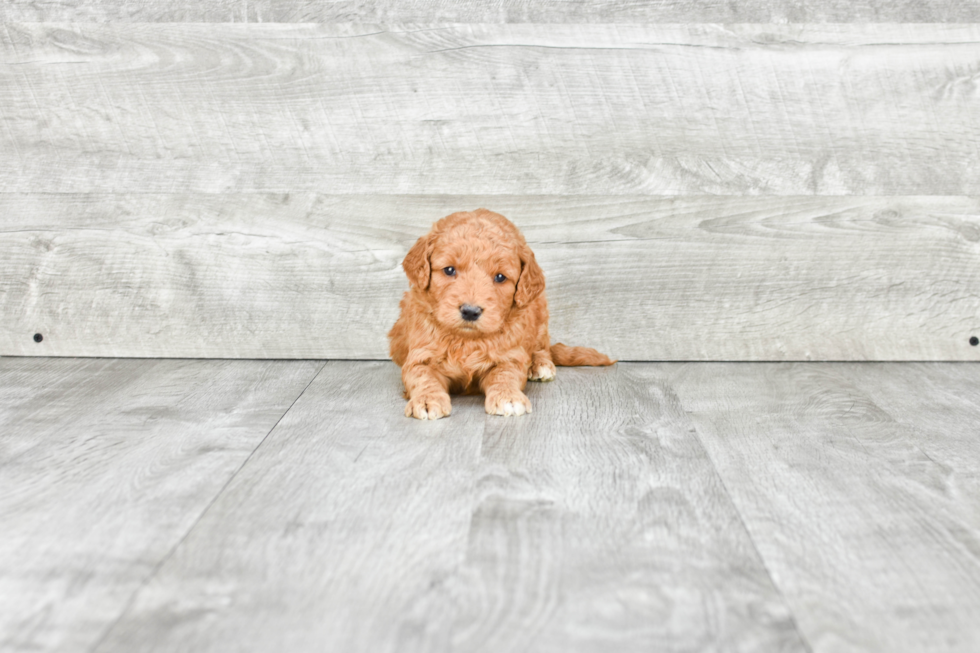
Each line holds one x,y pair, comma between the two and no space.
545,373
515,409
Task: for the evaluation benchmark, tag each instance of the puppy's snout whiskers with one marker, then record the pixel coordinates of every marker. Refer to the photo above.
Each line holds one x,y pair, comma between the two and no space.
470,313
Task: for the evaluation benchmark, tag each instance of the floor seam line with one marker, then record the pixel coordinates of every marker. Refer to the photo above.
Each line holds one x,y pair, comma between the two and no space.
745,526
156,568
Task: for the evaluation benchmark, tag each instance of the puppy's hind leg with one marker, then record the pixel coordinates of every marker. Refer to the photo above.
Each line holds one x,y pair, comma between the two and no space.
542,367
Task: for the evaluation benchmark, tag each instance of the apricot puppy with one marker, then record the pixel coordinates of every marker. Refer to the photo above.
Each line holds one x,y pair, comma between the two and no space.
475,319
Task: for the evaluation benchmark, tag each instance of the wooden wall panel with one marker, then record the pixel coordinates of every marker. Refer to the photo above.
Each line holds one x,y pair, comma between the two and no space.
492,109
740,192
306,275
498,11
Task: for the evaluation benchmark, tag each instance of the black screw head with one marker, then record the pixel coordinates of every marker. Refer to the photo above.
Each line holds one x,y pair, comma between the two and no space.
974,341
38,337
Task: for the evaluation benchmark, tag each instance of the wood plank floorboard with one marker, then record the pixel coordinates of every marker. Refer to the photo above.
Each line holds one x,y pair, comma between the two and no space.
669,507
860,484
600,525
104,466
595,523
349,517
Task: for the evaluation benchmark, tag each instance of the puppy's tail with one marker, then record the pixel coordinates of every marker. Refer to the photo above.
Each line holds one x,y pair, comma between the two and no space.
574,356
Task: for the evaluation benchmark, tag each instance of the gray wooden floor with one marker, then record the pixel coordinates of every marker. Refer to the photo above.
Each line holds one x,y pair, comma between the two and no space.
175,505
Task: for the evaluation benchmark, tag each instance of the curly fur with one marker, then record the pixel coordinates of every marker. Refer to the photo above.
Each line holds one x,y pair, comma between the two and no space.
441,353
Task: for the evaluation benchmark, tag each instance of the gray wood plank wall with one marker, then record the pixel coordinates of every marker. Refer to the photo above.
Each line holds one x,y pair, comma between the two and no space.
696,191
497,11
319,276
492,109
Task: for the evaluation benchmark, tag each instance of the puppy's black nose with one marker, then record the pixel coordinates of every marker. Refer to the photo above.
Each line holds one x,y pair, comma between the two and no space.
470,313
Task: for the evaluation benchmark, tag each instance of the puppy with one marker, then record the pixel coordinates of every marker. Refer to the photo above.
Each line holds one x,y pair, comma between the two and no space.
475,319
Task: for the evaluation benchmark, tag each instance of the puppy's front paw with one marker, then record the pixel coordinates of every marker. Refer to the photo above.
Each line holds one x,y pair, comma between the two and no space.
507,402
431,406
542,371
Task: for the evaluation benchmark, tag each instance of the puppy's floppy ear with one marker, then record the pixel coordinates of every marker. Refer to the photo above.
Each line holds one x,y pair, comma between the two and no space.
416,263
531,282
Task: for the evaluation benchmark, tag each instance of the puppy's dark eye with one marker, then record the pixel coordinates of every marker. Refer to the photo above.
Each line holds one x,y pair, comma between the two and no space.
450,271
500,278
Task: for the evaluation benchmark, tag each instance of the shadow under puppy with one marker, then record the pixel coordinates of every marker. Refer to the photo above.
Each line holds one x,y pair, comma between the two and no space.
475,319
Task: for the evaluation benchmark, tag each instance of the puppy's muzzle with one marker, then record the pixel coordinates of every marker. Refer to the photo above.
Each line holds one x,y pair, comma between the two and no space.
470,313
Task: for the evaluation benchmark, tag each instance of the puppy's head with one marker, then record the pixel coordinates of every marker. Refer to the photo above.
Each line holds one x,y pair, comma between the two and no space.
474,269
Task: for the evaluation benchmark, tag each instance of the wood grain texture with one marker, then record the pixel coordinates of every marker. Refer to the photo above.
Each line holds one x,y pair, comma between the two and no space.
106,465
618,11
349,516
498,109
859,484
305,275
125,11
497,11
595,523
601,525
